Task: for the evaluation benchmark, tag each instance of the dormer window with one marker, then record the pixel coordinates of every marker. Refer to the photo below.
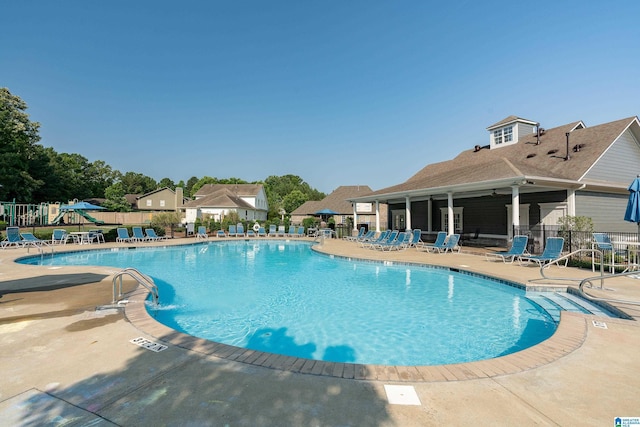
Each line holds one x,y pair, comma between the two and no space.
509,130
503,135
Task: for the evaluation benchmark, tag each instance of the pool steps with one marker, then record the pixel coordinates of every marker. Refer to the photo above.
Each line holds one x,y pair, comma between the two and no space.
555,302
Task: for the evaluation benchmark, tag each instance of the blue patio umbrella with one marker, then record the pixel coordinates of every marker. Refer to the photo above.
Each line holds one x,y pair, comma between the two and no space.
83,206
326,212
632,214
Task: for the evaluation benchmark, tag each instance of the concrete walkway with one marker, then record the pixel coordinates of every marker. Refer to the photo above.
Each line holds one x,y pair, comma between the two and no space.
66,363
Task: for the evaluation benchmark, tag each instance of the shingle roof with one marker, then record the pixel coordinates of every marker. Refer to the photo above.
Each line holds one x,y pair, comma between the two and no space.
238,189
336,201
509,119
525,158
222,198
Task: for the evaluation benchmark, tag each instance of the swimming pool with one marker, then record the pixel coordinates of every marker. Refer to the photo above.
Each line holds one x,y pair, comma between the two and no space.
282,297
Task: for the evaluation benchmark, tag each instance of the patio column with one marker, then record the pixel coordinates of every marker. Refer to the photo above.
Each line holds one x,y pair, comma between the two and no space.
377,216
407,214
355,217
450,229
515,206
429,215
571,202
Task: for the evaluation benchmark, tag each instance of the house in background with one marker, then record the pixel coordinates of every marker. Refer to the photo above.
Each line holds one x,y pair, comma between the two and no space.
362,213
524,177
162,199
216,201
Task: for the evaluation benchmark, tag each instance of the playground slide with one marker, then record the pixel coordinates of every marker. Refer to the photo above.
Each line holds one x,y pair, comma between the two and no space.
57,219
89,217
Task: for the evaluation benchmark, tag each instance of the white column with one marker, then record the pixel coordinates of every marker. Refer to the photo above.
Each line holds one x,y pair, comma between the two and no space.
429,215
571,202
377,215
407,214
450,213
515,207
355,218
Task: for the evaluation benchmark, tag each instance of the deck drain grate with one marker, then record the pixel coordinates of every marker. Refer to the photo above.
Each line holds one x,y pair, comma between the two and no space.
599,324
402,395
149,345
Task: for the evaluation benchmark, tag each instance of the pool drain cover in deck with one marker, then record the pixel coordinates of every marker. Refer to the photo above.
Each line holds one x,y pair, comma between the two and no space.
149,345
402,395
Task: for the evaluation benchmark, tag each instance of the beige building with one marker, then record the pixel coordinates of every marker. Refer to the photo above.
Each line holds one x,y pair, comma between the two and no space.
163,199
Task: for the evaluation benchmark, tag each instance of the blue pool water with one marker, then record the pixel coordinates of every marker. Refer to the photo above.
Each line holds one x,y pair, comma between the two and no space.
282,297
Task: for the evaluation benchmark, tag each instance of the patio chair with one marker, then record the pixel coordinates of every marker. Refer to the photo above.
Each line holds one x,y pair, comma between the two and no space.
281,231
452,243
59,236
153,236
552,251
138,235
300,231
201,234
416,238
240,230
368,236
440,239
29,239
382,237
602,242
262,232
250,233
358,236
272,231
393,235
232,231
518,248
402,242
123,236
13,238
221,233
292,231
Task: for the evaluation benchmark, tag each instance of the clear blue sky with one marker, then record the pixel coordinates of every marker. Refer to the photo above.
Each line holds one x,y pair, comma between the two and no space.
337,92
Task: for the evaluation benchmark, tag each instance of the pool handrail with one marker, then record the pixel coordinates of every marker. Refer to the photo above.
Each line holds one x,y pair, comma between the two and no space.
139,277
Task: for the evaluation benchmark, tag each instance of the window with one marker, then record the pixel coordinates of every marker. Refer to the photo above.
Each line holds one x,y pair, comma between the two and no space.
457,219
497,136
507,134
162,203
149,201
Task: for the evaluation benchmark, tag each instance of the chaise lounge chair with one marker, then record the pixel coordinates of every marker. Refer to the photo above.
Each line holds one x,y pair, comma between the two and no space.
221,233
201,234
123,236
381,238
13,238
518,248
552,251
240,230
262,232
59,236
440,239
138,235
602,242
29,239
272,231
281,231
232,231
452,243
357,237
393,235
153,236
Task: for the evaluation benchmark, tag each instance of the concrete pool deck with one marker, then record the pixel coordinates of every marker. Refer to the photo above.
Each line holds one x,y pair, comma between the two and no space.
66,363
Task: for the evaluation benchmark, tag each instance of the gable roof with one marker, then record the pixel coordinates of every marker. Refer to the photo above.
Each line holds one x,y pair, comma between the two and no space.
155,191
336,201
526,158
510,119
223,198
246,190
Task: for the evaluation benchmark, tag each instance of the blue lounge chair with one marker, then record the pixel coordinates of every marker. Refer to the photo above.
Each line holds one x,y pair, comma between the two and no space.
300,231
416,238
368,236
357,237
59,236
382,237
250,233
29,239
281,231
393,235
272,231
602,242
292,231
98,236
518,248
262,232
138,235
240,230
232,231
400,243
153,236
123,236
452,243
201,234
552,251
13,238
221,233
440,239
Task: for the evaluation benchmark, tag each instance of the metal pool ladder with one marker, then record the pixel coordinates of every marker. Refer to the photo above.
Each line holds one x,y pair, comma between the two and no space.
139,277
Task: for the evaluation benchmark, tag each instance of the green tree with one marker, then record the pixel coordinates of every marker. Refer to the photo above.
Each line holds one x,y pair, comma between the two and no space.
188,188
293,200
278,187
137,183
167,182
18,148
115,198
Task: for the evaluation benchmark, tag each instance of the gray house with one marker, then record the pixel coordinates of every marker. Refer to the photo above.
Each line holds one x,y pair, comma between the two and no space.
525,176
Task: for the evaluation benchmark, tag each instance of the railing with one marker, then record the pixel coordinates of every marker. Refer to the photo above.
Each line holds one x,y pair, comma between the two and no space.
139,277
565,259
602,278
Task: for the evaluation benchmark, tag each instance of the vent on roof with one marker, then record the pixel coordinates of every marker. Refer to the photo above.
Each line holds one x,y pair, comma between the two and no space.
578,147
531,155
554,151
